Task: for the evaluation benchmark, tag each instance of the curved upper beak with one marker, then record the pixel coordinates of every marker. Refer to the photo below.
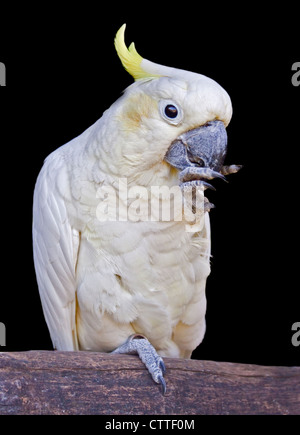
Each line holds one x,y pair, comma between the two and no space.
203,146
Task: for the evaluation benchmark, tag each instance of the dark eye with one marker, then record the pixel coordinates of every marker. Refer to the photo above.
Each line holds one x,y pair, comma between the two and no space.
171,111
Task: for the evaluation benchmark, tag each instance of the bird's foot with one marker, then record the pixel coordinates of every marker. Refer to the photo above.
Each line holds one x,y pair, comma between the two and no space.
193,184
138,344
194,176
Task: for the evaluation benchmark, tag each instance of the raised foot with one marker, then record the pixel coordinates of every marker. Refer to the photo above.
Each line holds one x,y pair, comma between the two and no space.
138,344
195,176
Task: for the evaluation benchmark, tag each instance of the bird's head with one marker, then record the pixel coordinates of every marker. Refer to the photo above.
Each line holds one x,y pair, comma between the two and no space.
169,119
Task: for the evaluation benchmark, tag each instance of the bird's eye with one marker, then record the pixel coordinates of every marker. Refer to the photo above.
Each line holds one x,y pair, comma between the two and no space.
170,112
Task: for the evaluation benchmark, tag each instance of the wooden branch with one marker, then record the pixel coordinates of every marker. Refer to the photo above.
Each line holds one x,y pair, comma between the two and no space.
45,382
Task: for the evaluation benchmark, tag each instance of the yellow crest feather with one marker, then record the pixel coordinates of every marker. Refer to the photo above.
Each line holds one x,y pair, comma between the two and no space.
129,57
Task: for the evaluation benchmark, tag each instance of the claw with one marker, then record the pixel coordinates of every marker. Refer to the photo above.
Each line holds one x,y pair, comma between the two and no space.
163,384
194,173
162,366
195,183
232,169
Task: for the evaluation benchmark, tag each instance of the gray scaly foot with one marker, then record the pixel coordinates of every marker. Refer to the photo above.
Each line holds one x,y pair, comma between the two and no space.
138,344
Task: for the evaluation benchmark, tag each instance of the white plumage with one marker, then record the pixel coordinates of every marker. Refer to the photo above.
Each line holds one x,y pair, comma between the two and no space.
102,281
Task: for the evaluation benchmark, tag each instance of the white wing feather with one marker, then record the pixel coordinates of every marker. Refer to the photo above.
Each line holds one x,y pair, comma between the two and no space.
55,247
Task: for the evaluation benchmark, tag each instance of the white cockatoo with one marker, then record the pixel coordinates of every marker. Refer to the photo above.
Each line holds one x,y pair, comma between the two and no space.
113,274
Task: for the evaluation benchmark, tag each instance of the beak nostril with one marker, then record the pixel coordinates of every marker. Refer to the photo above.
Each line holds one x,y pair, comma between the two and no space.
194,159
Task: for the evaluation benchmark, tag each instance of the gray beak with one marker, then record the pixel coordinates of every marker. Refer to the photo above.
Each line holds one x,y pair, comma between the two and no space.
202,147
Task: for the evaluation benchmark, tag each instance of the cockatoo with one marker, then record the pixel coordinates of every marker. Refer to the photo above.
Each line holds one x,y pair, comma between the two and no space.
113,277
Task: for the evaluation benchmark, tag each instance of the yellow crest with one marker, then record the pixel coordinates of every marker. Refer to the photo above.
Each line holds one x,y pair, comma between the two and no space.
129,57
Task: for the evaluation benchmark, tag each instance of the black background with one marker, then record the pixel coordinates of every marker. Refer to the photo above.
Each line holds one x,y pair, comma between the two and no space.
63,72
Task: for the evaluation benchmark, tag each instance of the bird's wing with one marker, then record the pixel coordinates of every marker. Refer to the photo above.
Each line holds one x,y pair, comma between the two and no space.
55,247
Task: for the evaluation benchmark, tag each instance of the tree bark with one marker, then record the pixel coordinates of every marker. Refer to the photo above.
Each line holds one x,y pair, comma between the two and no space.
45,382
